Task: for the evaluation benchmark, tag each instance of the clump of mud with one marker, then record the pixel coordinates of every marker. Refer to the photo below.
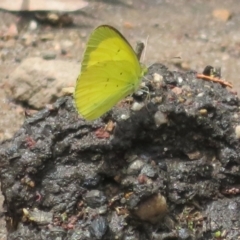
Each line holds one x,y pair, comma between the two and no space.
168,169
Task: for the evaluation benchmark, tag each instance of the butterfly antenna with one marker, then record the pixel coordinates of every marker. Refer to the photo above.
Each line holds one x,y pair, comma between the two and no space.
139,49
144,54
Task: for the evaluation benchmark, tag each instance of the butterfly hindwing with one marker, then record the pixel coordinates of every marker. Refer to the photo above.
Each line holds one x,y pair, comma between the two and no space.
103,91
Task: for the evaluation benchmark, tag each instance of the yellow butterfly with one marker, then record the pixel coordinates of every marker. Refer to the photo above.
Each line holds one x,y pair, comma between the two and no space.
110,71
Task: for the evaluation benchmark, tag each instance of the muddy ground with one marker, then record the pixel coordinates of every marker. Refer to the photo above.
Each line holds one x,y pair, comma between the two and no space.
190,30
167,170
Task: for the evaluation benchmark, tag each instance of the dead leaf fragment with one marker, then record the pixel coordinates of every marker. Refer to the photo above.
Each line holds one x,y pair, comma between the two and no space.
43,5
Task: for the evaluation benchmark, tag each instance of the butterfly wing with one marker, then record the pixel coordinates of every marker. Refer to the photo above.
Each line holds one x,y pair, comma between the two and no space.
110,71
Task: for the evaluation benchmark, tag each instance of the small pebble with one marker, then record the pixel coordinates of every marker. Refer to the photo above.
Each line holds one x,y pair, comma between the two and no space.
95,198
157,77
222,14
66,44
12,31
47,37
184,233
194,155
237,131
135,167
67,91
203,111
32,25
200,94
160,118
103,209
157,100
49,55
180,79
124,117
153,209
98,227
185,65
149,171
177,90
137,106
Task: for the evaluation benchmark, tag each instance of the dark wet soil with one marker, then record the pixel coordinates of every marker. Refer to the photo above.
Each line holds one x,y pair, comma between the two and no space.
167,171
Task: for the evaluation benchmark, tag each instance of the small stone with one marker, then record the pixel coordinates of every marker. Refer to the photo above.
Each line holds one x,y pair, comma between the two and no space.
177,90
157,77
83,34
160,118
63,51
185,65
67,91
12,31
98,227
135,167
201,94
91,181
32,25
149,171
137,106
153,209
180,79
124,117
38,216
194,155
222,14
66,44
237,131
128,25
95,198
131,157
128,181
217,234
103,209
184,233
29,39
117,225
49,55
203,111
157,99
47,37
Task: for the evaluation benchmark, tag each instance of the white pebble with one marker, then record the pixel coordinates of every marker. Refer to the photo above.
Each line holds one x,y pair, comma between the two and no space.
180,80
124,117
237,131
160,118
33,25
137,106
157,77
200,94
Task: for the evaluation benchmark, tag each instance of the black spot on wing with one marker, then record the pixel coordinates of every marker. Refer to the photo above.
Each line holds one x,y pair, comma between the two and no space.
107,82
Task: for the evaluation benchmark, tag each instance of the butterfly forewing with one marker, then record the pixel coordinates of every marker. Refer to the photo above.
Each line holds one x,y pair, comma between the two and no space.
110,71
